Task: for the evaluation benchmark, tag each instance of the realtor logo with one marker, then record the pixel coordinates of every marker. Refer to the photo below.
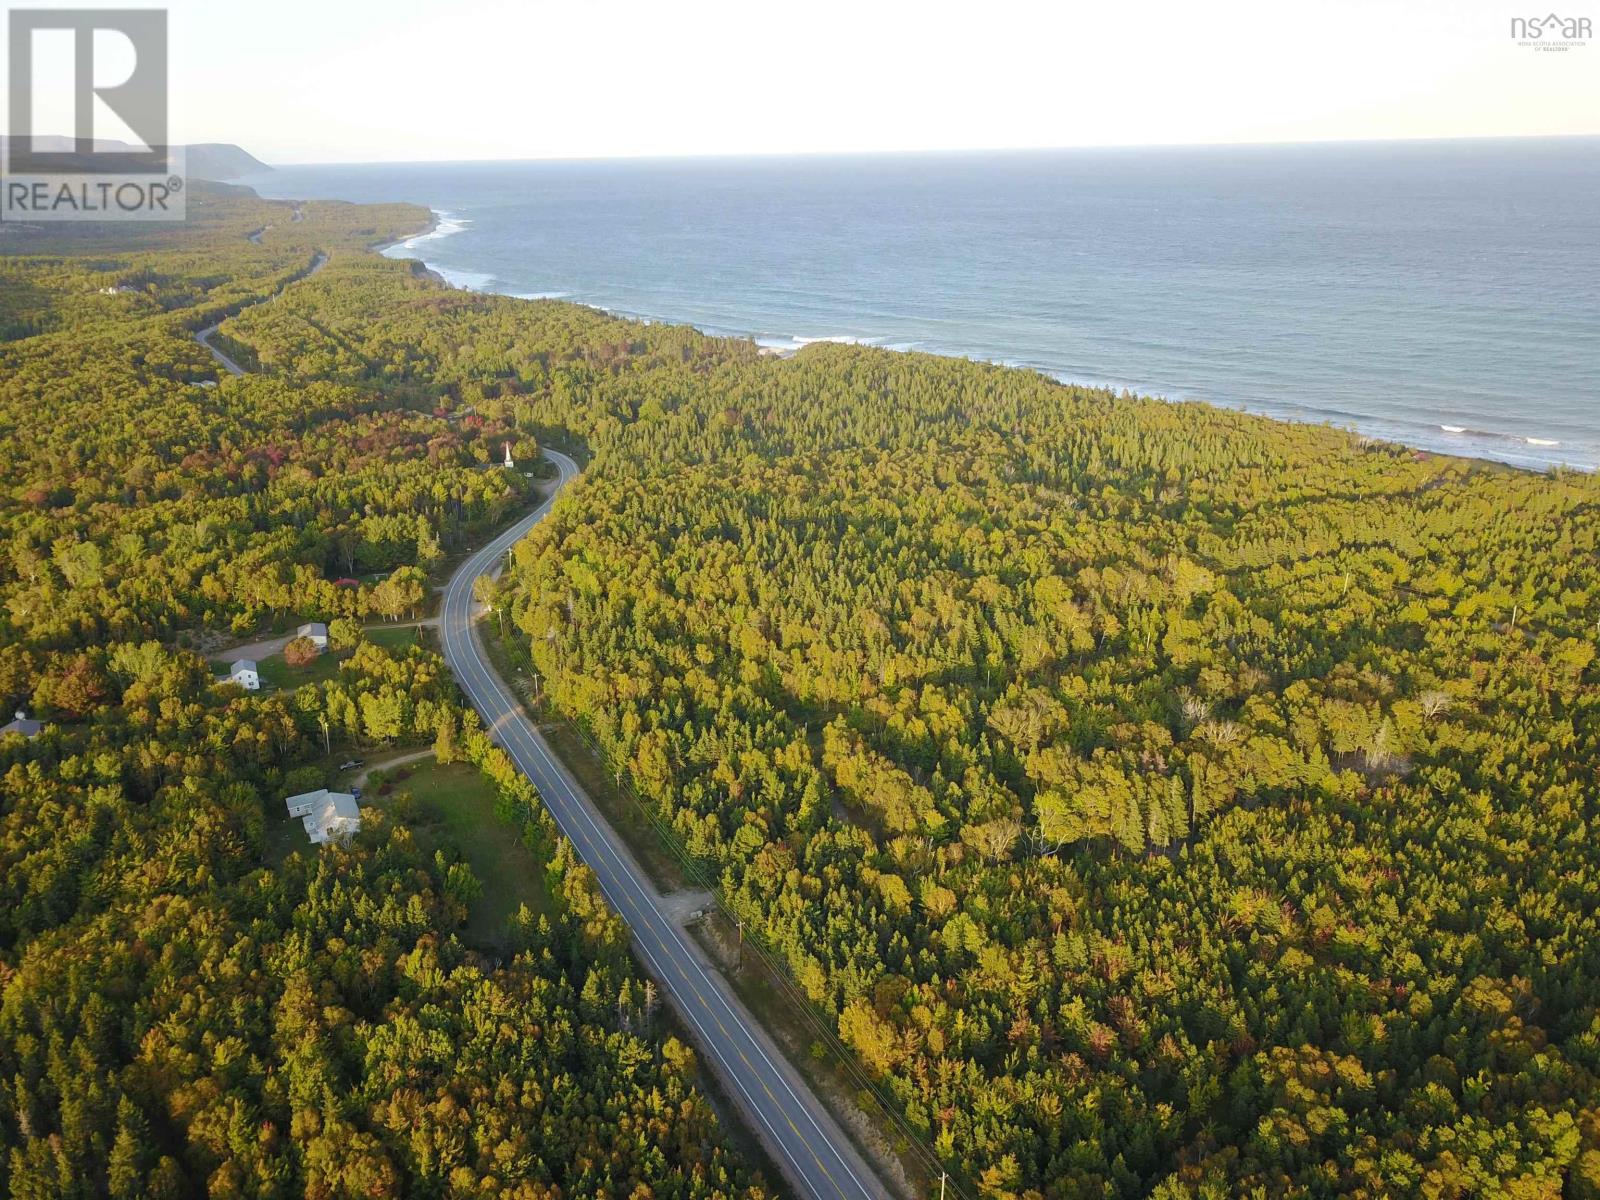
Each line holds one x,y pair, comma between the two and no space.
81,176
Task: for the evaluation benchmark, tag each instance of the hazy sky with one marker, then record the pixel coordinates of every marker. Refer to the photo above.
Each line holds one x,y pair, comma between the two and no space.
340,80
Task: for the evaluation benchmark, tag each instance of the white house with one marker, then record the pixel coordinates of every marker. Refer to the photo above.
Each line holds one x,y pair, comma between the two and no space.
22,725
243,672
316,631
326,815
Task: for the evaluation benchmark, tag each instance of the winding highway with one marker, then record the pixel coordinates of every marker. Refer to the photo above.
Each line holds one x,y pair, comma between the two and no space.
203,336
804,1141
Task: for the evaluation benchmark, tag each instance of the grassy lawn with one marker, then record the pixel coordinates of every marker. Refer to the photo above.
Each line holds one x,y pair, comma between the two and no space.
284,835
276,673
397,637
453,806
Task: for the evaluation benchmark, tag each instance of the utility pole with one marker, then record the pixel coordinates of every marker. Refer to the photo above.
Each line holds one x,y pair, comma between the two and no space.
942,1177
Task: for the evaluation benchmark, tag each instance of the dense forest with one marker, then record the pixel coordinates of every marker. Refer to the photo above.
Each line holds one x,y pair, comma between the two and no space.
1164,801
1161,801
185,1009
143,493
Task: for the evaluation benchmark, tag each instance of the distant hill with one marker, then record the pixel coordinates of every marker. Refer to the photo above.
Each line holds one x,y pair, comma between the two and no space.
222,160
205,160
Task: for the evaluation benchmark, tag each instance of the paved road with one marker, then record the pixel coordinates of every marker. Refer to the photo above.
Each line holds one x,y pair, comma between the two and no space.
204,336
227,364
808,1146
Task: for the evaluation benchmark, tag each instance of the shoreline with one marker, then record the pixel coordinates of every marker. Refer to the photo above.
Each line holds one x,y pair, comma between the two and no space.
427,272
768,348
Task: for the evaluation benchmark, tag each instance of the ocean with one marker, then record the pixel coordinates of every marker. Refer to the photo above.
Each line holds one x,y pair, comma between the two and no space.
1441,294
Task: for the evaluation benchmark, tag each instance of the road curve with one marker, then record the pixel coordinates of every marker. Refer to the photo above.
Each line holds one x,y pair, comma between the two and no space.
226,363
803,1139
203,336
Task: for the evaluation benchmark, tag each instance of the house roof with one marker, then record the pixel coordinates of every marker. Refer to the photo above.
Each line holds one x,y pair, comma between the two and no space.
26,726
313,629
311,798
325,804
335,815
339,804
242,664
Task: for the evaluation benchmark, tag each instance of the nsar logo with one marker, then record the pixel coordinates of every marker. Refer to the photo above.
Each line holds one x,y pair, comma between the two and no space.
1551,32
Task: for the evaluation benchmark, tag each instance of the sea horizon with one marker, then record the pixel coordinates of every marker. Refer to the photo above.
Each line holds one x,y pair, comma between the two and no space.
1441,295
953,152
